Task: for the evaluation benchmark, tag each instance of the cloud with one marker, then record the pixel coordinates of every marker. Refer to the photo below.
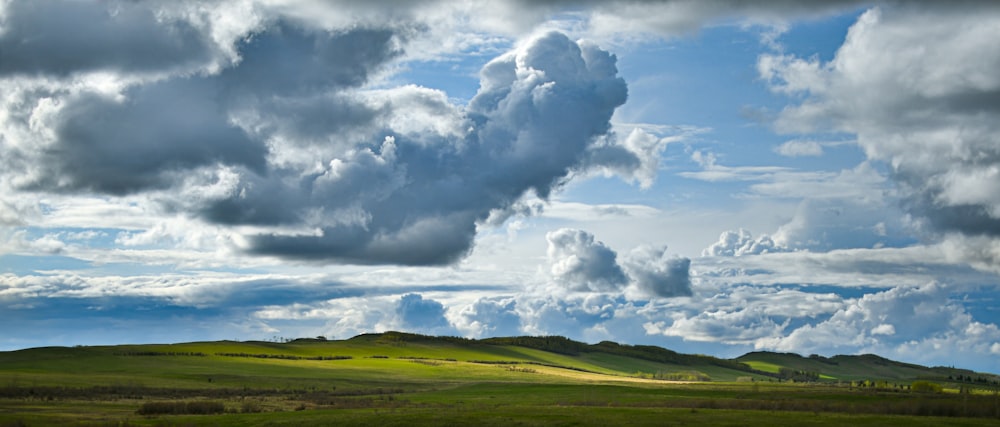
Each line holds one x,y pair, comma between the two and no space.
490,317
280,139
62,38
914,82
670,18
581,264
117,147
635,158
799,148
825,224
150,136
578,315
655,274
879,268
416,198
742,242
919,323
419,314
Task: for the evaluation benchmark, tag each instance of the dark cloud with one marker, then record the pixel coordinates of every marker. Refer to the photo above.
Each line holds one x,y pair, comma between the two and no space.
416,197
580,263
288,60
972,219
658,275
159,130
162,129
289,139
63,37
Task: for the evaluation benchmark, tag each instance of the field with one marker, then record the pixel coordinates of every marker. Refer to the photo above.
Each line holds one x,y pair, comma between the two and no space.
403,379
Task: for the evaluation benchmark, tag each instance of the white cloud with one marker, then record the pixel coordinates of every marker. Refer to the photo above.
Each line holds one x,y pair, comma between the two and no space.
742,242
915,83
844,223
799,148
580,263
490,317
671,18
884,329
919,324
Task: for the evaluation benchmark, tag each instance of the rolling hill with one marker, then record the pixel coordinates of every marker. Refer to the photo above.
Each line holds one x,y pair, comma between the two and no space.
396,378
366,352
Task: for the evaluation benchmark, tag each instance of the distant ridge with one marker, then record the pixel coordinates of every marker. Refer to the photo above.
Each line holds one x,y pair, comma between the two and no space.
771,364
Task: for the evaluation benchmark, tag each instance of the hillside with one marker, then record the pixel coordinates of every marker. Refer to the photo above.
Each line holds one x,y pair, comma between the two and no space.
863,367
414,379
368,353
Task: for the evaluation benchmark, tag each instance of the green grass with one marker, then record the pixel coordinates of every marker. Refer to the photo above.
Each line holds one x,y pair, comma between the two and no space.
410,380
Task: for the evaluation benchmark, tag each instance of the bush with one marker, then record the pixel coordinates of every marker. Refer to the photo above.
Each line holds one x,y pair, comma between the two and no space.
925,387
251,407
181,408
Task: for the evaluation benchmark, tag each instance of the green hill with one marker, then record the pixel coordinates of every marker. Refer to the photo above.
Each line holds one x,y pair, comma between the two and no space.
369,356
396,378
859,368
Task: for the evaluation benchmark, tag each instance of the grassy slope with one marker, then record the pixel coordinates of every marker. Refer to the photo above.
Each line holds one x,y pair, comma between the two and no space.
373,356
435,381
851,368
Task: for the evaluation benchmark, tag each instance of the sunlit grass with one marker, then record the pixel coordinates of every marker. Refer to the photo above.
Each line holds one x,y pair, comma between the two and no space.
385,382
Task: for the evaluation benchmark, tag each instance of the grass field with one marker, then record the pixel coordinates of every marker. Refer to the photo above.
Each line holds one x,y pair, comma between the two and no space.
400,379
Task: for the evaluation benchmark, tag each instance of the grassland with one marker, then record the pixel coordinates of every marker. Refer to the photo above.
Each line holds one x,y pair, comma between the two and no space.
403,379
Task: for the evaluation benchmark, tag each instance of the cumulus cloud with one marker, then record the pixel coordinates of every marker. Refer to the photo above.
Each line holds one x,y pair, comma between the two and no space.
490,317
581,264
419,314
914,82
418,197
920,323
656,274
580,315
741,242
270,127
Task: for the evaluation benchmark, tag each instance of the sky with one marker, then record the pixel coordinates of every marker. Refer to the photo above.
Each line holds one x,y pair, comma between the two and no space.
712,177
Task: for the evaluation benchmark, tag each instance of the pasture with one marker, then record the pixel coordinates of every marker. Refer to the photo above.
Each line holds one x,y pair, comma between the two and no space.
403,379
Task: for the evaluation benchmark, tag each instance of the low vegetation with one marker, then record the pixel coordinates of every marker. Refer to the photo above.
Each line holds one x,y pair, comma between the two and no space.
408,379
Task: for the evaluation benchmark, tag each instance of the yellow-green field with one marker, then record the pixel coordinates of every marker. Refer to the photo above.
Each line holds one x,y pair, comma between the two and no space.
400,379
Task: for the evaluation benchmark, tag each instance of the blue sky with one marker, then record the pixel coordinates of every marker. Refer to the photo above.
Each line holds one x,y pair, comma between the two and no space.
712,177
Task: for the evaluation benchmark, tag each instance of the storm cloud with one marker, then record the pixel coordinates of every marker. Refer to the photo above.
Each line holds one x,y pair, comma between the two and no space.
79,37
416,197
285,137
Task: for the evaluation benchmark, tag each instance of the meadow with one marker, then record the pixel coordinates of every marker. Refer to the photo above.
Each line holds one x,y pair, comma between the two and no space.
405,379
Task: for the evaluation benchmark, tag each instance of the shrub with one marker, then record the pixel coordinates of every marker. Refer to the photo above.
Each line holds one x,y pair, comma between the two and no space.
181,408
251,407
925,387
